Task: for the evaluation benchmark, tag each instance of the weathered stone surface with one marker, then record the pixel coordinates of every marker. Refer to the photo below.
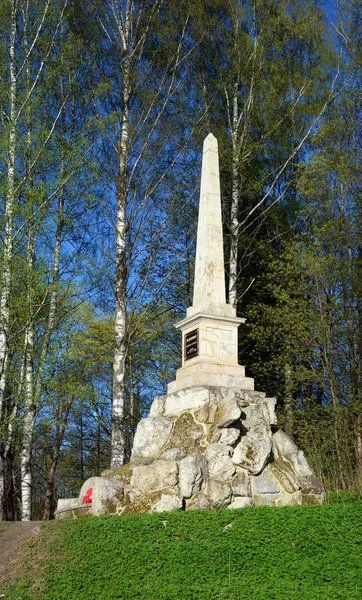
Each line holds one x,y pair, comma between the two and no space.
219,463
264,500
265,483
186,435
67,503
285,499
256,416
156,476
173,454
106,494
241,483
284,473
168,503
185,400
151,435
241,502
229,436
219,493
78,512
253,451
157,406
198,502
270,407
192,470
206,414
227,412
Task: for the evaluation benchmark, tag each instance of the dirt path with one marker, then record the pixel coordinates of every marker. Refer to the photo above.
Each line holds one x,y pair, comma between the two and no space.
14,535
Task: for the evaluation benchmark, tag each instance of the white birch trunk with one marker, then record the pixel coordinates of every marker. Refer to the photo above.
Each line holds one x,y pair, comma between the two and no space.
234,220
5,282
29,407
118,437
117,434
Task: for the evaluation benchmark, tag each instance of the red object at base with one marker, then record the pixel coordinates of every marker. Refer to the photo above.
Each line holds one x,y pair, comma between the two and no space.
87,498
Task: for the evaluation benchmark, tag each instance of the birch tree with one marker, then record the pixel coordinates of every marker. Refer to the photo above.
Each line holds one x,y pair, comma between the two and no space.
145,78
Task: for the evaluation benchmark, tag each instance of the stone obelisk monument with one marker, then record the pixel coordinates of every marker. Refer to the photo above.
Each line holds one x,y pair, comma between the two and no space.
211,441
210,330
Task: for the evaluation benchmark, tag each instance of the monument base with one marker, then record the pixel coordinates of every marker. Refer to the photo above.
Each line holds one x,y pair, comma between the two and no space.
211,374
203,447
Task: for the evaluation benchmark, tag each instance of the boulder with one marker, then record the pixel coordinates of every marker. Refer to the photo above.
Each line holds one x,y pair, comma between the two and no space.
229,436
192,470
241,483
186,435
241,502
157,407
265,483
156,476
168,503
219,463
253,451
206,414
103,495
219,493
173,454
151,435
198,502
185,400
228,412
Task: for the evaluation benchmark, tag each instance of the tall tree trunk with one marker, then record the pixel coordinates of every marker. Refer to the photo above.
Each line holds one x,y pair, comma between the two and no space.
234,210
118,436
5,282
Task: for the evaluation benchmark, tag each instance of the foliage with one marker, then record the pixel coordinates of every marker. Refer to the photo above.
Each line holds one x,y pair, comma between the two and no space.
289,553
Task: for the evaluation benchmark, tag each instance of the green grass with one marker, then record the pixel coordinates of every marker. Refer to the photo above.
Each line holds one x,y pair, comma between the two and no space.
264,553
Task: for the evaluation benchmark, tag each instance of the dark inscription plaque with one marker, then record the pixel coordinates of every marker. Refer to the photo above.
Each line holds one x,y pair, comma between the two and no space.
191,344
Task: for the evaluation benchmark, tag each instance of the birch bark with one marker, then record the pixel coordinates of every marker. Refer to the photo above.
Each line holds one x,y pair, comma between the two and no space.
5,282
117,436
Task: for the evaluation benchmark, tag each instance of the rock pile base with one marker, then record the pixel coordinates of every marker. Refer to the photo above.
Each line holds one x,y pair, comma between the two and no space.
203,448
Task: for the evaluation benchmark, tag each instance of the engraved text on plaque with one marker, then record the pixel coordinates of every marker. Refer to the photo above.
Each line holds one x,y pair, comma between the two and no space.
191,344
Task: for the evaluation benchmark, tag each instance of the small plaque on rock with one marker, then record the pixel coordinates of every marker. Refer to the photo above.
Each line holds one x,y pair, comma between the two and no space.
191,344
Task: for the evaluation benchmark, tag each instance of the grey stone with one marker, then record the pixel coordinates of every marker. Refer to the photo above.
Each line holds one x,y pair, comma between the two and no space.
107,494
206,414
67,503
168,503
270,408
198,502
185,400
173,454
253,451
157,407
229,436
288,450
219,463
219,493
228,411
285,475
284,445
241,483
285,499
156,476
256,417
241,502
151,435
191,474
265,483
264,500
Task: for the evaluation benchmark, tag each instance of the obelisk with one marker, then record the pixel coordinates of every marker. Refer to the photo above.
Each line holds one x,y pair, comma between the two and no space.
209,331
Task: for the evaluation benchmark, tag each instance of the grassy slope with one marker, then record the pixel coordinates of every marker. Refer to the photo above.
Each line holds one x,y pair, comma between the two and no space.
265,553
